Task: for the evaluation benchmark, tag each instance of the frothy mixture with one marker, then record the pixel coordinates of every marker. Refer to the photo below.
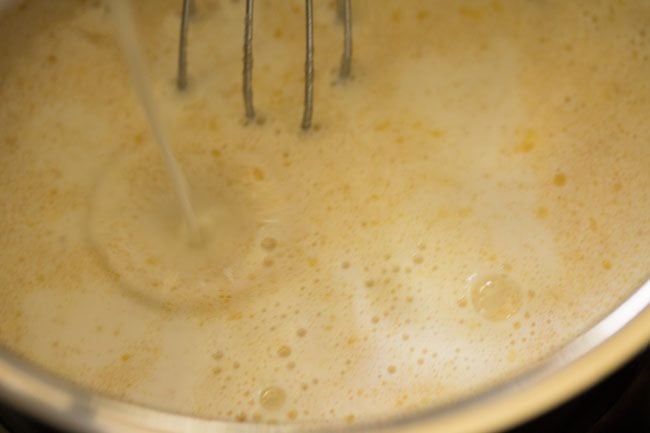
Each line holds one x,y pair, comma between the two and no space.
475,197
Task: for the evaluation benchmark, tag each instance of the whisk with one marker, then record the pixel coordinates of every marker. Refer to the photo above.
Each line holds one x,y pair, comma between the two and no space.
344,9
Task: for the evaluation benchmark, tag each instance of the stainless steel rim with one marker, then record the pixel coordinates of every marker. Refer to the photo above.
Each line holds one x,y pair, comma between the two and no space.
615,338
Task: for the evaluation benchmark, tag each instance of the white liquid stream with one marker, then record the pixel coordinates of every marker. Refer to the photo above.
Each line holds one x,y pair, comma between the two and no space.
127,36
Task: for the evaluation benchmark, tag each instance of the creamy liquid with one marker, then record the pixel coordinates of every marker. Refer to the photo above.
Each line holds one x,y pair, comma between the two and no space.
473,199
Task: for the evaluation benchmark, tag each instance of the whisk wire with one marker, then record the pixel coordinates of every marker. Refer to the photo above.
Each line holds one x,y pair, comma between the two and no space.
344,11
181,78
248,61
345,8
309,66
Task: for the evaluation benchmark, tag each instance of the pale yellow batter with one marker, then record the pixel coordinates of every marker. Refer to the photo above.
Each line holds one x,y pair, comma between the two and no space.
475,197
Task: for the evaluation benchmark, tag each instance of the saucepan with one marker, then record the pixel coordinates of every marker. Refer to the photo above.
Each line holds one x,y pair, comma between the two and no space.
599,350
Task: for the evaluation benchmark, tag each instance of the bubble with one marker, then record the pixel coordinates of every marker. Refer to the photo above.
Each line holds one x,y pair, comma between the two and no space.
391,369
268,244
495,297
258,173
284,351
272,398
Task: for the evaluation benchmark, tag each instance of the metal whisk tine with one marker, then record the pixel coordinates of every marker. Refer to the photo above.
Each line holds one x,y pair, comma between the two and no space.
340,9
181,78
344,12
309,65
345,9
248,61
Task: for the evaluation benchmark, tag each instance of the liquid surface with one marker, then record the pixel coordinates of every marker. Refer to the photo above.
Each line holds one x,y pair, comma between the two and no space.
472,200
